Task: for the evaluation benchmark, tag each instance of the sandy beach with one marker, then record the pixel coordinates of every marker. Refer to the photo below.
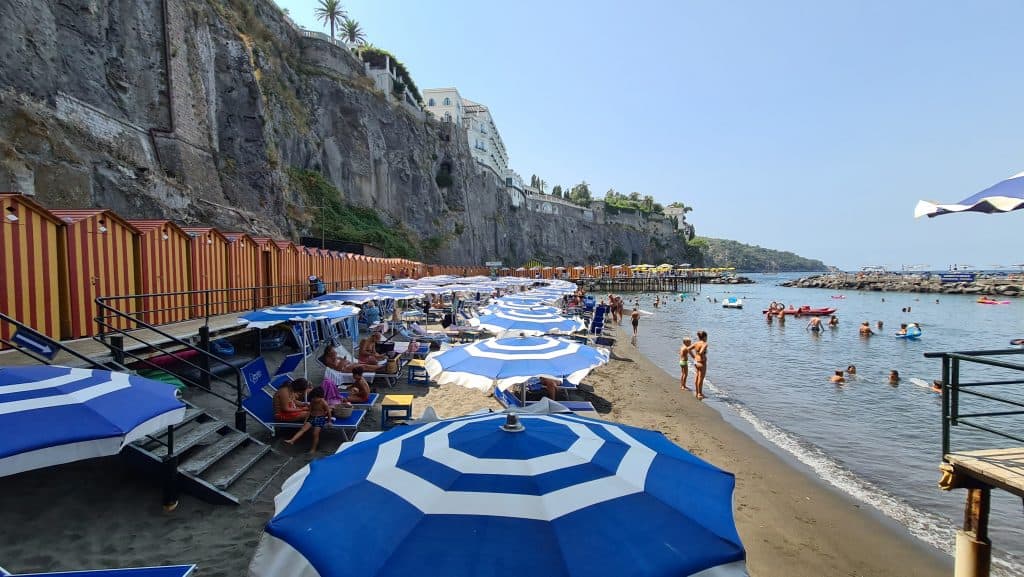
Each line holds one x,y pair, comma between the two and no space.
98,514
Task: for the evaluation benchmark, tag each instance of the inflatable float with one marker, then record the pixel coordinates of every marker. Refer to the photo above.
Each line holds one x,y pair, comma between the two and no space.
806,310
732,303
913,333
988,301
839,296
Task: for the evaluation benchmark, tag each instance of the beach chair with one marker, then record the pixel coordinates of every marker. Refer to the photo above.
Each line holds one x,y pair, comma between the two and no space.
260,406
289,364
408,333
508,400
256,375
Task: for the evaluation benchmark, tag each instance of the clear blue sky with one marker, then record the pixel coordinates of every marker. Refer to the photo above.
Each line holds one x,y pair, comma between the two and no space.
807,126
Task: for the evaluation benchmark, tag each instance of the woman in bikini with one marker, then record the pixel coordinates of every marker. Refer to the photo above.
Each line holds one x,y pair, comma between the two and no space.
700,363
685,352
288,403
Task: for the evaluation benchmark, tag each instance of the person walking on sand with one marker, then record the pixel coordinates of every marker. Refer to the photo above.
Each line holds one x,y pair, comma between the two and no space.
700,363
685,352
634,317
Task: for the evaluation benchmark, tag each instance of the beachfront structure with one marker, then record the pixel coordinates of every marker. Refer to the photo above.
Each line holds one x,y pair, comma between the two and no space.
485,143
162,245
32,257
514,187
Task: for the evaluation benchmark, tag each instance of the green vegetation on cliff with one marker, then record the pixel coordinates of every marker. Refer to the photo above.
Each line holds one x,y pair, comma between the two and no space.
746,258
346,222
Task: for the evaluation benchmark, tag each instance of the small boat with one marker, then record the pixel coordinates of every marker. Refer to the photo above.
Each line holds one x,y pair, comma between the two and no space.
839,296
732,303
806,310
988,301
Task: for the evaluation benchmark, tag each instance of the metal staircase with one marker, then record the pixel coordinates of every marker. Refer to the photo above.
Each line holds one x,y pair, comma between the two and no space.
215,461
202,455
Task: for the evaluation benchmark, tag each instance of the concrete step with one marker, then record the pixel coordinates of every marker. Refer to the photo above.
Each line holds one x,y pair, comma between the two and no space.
189,436
231,468
207,456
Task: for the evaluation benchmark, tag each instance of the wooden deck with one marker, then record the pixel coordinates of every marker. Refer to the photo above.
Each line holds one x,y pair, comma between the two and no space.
1001,468
222,325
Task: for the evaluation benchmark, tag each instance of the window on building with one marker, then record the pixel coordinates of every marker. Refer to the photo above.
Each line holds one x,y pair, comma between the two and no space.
431,102
447,116
447,101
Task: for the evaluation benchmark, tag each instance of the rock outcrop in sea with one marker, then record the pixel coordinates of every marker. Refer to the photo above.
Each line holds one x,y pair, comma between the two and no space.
982,285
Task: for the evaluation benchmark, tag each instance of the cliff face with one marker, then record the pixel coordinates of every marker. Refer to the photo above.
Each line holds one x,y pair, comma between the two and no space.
196,109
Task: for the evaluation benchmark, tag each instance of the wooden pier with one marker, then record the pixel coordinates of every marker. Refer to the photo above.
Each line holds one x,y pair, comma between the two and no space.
979,471
648,284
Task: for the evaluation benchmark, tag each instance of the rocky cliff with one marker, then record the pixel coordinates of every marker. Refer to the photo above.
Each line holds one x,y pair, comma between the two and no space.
198,110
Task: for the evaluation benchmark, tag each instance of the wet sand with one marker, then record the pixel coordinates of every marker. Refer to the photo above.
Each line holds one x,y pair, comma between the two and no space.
98,514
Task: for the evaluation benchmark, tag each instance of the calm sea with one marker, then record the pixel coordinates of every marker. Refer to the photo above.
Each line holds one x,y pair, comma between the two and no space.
879,443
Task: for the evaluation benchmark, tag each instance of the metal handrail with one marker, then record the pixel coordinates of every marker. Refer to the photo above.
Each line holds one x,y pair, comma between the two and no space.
55,343
952,389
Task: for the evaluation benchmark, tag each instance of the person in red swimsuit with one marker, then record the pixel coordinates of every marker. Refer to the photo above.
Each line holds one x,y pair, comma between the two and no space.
289,403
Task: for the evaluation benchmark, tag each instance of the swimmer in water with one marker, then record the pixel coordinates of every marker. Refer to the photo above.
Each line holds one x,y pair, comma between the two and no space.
833,322
894,377
903,329
865,329
851,370
814,325
837,378
879,325
937,386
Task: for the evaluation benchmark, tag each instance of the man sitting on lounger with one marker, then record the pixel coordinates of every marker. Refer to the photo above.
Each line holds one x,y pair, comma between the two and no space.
550,387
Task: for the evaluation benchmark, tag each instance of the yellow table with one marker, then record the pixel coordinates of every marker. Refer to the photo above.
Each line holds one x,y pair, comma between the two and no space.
397,403
416,372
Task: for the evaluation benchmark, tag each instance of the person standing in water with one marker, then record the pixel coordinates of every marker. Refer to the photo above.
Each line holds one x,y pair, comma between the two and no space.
700,363
814,325
685,353
634,318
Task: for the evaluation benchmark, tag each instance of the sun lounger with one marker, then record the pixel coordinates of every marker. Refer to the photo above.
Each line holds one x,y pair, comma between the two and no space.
510,401
260,405
256,375
289,364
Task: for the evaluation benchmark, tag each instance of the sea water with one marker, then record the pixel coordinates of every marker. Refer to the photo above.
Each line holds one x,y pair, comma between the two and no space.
880,444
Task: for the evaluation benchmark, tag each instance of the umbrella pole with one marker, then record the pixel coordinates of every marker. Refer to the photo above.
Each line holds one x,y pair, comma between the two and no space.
305,353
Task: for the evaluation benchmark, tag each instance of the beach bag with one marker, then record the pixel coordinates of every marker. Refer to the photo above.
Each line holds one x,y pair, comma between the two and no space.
342,411
391,367
222,348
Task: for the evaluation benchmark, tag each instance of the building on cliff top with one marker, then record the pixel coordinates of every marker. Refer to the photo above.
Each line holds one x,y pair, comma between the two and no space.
447,105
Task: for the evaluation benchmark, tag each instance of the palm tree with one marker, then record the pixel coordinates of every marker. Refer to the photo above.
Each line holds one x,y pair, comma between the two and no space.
352,33
329,12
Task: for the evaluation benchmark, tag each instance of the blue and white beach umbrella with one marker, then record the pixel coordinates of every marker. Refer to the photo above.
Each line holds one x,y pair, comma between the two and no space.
528,322
509,361
399,294
1002,197
306,312
51,415
551,495
356,297
500,305
162,571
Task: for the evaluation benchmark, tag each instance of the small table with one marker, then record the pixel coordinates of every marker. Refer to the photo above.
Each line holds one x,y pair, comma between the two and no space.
416,372
395,403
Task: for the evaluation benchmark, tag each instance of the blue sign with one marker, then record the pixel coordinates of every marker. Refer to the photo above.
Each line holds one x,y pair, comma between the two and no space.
957,277
35,342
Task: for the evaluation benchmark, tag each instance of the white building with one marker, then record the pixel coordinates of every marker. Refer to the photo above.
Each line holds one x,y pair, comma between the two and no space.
514,187
444,103
484,140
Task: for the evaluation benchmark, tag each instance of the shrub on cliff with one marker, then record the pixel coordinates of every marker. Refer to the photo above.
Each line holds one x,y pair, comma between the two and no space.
347,222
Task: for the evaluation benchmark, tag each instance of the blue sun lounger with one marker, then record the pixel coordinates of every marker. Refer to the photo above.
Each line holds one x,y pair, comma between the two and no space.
510,401
260,405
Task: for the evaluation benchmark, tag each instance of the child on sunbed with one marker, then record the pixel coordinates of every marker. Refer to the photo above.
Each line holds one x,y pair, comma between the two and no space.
319,417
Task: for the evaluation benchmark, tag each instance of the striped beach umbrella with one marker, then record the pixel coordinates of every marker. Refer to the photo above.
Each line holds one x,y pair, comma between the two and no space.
398,294
1004,196
503,362
306,312
501,305
162,571
355,297
503,494
529,322
51,415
